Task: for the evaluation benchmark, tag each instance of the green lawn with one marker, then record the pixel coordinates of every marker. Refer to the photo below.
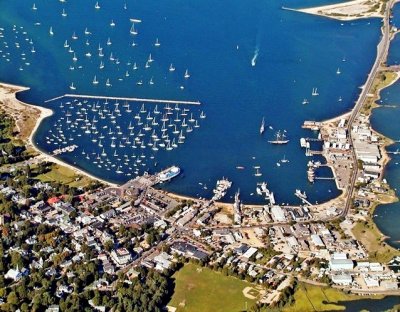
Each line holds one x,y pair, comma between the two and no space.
64,175
199,289
315,298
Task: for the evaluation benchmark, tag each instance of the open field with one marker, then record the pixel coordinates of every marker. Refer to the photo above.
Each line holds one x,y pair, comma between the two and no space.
373,240
316,298
64,175
200,289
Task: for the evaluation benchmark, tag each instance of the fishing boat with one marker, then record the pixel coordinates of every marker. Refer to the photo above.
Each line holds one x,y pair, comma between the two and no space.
279,138
262,127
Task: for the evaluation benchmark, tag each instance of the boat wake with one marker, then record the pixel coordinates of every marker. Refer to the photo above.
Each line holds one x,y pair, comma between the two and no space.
254,59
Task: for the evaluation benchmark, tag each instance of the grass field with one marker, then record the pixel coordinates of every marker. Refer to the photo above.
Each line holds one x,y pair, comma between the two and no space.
200,289
64,175
316,298
371,238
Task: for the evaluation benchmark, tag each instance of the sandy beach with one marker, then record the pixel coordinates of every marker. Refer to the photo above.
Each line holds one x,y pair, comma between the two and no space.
346,11
18,109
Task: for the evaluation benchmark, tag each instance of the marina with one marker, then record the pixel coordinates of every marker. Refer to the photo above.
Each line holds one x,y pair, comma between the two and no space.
111,56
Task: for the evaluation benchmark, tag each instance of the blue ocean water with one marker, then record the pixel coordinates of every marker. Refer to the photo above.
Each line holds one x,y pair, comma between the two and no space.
216,41
385,120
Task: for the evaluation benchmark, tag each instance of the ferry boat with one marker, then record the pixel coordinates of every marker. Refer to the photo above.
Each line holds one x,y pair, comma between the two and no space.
280,139
168,173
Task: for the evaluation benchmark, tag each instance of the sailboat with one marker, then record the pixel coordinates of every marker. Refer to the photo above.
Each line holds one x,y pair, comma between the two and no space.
284,160
64,14
157,44
34,7
95,81
72,87
338,72
279,139
262,127
108,84
171,68
305,101
97,6
133,31
51,31
314,92
187,74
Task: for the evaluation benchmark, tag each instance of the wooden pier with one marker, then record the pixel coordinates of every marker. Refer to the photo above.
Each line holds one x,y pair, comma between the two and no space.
112,98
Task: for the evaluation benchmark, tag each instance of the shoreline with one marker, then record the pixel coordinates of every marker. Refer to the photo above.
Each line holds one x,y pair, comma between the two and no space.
43,114
345,11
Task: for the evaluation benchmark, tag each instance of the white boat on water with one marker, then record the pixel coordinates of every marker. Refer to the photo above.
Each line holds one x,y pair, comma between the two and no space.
314,92
262,127
51,33
187,75
157,43
171,68
97,6
72,87
133,31
95,81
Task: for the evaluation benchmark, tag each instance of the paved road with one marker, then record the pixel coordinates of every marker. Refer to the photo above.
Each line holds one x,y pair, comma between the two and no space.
382,52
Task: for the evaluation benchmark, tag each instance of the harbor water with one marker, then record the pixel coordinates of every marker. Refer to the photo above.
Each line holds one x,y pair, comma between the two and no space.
246,61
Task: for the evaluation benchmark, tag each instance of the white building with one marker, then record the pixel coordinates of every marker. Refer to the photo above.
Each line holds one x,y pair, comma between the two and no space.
342,279
121,256
278,214
341,264
317,241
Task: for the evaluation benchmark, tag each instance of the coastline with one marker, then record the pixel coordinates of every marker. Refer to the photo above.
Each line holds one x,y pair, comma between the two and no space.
9,92
346,11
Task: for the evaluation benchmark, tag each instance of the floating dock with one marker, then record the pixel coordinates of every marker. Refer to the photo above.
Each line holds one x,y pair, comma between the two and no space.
128,99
